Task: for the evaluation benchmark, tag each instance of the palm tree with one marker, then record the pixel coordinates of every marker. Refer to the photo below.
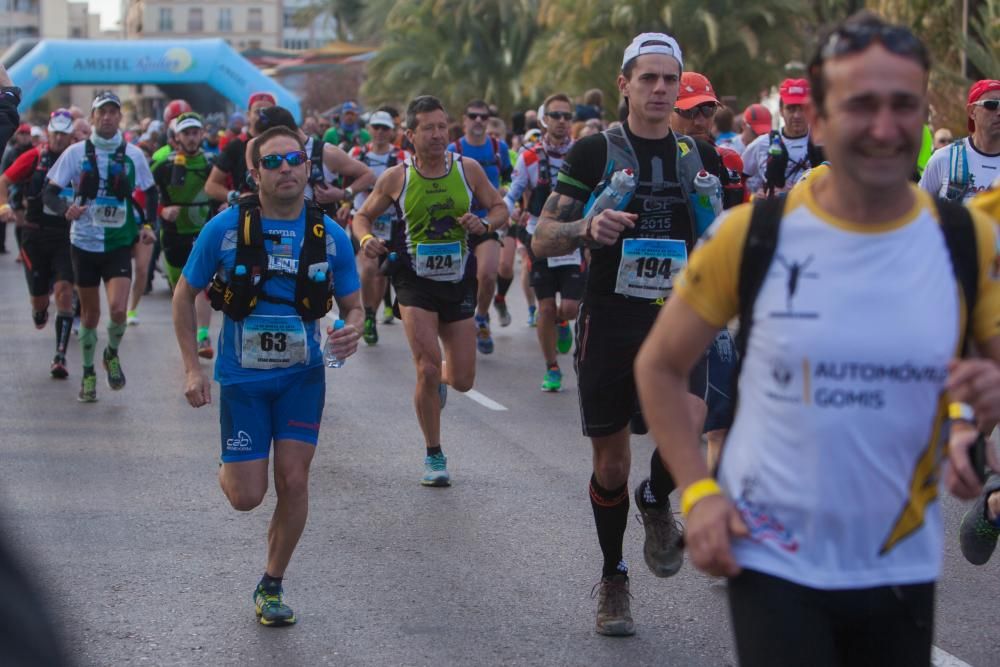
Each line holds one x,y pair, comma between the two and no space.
346,15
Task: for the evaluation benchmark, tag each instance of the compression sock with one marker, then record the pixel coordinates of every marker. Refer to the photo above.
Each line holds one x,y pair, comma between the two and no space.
115,332
64,326
611,516
369,313
202,333
88,343
503,284
656,491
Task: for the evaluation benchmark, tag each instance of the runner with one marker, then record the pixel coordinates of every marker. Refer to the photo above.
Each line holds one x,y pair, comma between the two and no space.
435,272
823,516
534,175
102,171
229,176
492,156
270,364
634,255
185,208
348,132
380,154
45,239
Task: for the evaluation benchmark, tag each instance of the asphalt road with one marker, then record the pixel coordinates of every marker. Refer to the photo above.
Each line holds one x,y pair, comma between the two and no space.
116,508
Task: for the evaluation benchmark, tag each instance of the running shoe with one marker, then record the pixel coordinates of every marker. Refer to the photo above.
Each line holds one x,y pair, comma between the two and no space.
662,548
531,316
564,342
40,318
113,365
205,350
436,471
977,534
271,608
614,607
88,387
484,340
58,368
387,315
132,317
552,380
500,303
371,332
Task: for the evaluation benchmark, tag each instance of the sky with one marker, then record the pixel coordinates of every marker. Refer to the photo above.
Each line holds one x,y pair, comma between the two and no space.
108,9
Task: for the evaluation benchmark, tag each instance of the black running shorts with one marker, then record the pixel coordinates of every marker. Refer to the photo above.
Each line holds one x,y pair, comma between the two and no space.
568,281
89,268
46,256
452,302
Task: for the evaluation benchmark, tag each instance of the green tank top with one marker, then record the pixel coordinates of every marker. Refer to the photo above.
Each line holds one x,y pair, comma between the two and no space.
429,209
190,195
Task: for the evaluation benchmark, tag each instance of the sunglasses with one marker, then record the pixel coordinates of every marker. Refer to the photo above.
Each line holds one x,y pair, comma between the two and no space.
706,110
559,115
854,38
477,116
989,105
294,159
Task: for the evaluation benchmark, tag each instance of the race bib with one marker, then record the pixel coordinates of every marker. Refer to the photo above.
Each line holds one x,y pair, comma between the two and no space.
439,261
648,267
273,341
66,195
109,212
572,259
382,227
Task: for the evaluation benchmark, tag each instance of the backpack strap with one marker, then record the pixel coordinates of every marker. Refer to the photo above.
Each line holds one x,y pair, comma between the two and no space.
958,171
313,298
960,237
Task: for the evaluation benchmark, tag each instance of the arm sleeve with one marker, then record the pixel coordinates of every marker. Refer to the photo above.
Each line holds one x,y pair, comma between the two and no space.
152,205
518,184
340,255
583,168
710,282
986,318
22,167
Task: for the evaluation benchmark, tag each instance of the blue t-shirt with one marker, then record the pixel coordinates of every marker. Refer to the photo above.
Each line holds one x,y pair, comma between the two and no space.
487,159
215,247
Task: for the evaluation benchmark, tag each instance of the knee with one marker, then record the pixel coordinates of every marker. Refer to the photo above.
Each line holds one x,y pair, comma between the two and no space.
244,500
428,373
569,311
117,314
292,483
547,308
611,472
463,382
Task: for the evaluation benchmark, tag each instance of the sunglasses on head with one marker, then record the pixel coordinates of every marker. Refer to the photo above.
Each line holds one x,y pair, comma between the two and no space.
706,110
471,115
989,105
559,115
854,38
294,159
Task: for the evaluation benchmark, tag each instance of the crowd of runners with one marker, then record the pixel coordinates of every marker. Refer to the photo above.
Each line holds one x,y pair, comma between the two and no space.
827,260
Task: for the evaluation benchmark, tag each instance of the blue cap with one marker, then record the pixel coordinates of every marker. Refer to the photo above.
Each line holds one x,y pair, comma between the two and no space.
349,106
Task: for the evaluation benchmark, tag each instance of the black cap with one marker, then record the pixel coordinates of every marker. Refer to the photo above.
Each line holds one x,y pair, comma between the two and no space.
105,97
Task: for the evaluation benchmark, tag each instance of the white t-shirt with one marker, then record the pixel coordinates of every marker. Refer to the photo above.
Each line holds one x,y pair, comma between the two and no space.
328,175
755,160
983,170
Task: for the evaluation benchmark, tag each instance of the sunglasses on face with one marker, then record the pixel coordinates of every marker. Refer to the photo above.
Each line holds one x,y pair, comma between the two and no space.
706,110
896,39
294,159
989,105
477,116
559,115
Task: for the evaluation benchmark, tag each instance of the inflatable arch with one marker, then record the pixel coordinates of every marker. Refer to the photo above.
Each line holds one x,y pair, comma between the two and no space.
210,61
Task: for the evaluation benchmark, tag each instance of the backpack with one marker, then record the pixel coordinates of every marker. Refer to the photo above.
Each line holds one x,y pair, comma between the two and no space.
774,173
238,297
762,239
543,188
504,172
116,183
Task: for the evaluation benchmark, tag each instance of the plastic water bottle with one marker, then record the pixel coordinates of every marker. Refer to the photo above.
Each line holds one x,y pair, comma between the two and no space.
774,171
390,264
329,356
240,270
708,187
615,196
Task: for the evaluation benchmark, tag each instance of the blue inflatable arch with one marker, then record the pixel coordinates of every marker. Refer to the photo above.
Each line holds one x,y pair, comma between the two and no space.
209,61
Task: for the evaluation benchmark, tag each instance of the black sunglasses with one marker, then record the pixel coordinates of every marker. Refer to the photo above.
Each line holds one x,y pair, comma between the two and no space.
989,105
477,116
294,159
559,115
706,110
853,38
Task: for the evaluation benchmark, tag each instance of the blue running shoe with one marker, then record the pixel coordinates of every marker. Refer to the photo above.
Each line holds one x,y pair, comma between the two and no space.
564,342
271,609
484,340
553,380
532,322
436,471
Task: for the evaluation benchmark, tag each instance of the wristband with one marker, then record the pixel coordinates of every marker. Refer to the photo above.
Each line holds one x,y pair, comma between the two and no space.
365,239
961,412
148,226
698,491
4,207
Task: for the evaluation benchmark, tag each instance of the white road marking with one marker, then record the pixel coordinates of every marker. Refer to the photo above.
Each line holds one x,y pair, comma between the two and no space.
940,658
485,401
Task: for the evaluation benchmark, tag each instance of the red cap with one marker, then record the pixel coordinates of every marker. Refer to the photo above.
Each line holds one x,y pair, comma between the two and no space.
257,97
695,89
978,89
24,127
758,117
794,91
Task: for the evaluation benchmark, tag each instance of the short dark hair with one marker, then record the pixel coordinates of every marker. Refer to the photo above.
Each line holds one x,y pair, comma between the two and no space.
421,104
724,119
389,109
267,135
478,104
275,117
877,28
556,97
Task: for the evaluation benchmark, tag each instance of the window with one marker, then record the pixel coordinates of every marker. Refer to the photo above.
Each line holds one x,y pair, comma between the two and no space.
255,20
195,20
289,17
166,19
225,20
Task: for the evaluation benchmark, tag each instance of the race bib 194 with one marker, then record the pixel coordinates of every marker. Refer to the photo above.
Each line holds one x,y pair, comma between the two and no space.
439,261
109,212
648,267
273,341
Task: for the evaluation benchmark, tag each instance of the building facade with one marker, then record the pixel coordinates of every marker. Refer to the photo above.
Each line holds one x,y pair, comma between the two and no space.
244,24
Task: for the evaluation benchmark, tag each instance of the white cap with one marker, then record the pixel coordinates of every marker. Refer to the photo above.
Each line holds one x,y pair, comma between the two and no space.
185,122
61,121
37,131
653,42
381,118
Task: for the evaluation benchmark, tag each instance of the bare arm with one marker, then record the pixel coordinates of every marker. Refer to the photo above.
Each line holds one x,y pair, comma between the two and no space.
6,214
560,228
387,189
339,162
197,386
488,196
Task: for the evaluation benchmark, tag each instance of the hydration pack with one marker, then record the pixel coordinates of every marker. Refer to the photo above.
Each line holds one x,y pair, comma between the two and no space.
116,182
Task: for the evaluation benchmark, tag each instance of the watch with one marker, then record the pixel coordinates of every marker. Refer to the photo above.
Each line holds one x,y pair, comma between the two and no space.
11,91
348,193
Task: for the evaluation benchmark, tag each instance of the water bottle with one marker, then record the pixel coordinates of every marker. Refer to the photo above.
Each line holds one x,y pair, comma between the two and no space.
616,195
389,265
240,270
329,356
774,171
708,187
178,171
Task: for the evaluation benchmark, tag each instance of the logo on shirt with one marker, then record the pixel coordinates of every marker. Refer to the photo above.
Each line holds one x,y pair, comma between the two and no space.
761,523
795,272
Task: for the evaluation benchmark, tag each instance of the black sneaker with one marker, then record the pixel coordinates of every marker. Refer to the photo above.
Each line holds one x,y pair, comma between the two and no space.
58,368
113,365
